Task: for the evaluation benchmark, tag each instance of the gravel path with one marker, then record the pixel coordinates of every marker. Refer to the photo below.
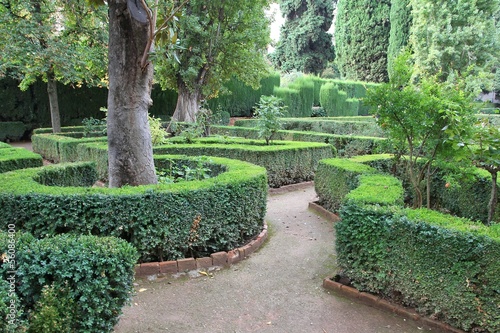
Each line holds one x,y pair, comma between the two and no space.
278,289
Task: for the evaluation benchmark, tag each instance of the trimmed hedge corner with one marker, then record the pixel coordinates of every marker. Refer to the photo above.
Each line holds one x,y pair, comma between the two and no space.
71,283
443,266
18,158
164,221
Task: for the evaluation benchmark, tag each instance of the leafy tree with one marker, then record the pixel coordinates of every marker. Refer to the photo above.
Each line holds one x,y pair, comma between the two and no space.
55,40
218,40
305,45
401,21
456,39
133,29
424,120
268,113
362,38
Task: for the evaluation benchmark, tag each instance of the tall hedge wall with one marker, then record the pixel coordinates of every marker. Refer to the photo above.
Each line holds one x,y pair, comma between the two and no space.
163,222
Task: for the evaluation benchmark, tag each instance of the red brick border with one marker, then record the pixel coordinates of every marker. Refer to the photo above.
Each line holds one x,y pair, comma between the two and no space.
383,304
218,259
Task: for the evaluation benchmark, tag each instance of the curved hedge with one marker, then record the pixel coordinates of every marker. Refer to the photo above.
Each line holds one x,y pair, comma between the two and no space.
72,283
18,158
285,162
164,222
446,267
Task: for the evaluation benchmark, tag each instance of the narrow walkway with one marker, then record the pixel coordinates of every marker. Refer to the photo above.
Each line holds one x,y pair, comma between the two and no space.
278,289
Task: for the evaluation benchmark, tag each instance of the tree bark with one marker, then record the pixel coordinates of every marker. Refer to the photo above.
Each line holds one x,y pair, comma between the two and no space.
130,151
55,116
188,104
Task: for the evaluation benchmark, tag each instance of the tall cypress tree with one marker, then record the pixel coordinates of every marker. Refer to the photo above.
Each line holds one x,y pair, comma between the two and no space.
305,45
362,39
401,20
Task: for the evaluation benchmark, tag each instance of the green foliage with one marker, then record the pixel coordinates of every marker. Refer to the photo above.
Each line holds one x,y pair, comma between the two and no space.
92,127
362,33
239,98
217,40
336,102
61,147
81,286
456,39
305,44
423,120
155,219
158,133
12,131
401,22
268,112
173,174
443,266
343,145
18,158
318,112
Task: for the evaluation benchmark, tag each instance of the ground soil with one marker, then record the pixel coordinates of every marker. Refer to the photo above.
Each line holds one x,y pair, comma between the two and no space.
278,289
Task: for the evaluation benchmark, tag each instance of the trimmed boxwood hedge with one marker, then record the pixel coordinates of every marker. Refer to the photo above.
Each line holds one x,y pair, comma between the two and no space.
286,162
12,130
345,145
164,221
91,279
445,267
61,147
18,158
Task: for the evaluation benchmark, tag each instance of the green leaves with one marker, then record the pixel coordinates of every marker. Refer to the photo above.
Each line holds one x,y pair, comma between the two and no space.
268,113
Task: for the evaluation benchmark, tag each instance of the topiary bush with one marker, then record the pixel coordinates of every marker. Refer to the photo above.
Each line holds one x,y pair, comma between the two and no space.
156,219
67,283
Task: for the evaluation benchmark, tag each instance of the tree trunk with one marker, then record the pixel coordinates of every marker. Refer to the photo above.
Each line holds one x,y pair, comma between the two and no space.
493,198
188,104
130,153
55,116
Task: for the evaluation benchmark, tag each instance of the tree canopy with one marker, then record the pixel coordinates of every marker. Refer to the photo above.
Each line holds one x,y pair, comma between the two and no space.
456,38
217,40
305,44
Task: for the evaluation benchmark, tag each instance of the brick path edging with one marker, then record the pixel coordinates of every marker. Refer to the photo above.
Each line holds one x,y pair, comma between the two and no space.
218,259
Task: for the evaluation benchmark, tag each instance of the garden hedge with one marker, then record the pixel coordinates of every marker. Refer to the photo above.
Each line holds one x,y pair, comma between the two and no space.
65,283
286,162
445,267
164,221
18,158
61,147
345,145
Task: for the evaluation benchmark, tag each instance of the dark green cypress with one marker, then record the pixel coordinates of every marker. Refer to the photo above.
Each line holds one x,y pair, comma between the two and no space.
305,45
362,39
401,20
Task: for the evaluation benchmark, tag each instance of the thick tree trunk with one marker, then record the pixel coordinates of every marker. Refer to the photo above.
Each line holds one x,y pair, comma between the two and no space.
55,116
130,153
188,104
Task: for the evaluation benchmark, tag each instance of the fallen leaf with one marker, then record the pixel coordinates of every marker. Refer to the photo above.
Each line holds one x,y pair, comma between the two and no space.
142,289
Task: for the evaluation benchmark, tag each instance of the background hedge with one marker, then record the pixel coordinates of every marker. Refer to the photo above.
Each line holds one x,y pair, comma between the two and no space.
12,131
18,158
164,222
70,283
344,145
445,267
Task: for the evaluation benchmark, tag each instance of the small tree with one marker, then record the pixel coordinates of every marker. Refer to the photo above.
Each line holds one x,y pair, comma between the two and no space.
423,119
268,113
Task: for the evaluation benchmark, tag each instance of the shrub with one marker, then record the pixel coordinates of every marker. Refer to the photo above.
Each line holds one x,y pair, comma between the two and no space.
90,276
268,113
156,219
292,100
318,112
18,158
61,147
12,131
